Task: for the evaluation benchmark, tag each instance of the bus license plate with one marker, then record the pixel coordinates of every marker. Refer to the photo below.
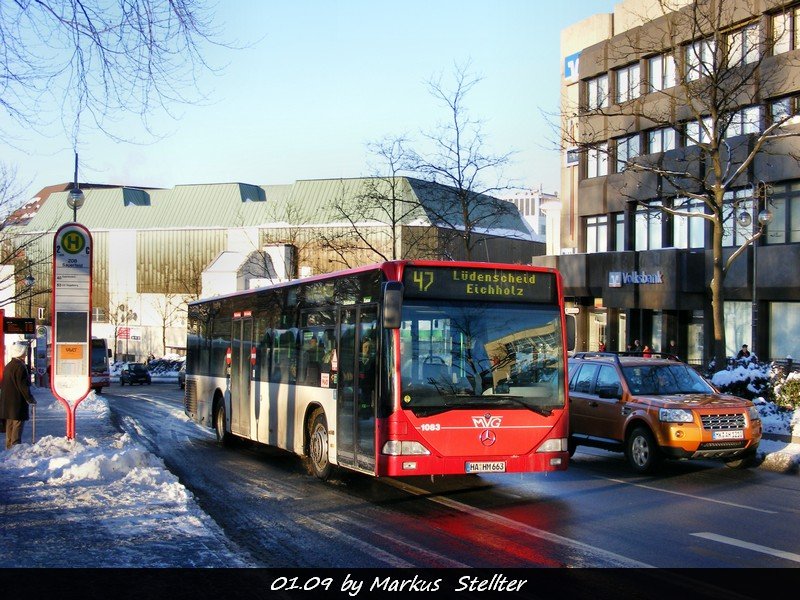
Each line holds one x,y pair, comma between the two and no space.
486,467
737,434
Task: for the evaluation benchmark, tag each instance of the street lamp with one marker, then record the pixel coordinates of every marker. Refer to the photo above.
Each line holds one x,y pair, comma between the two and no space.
764,218
75,198
29,282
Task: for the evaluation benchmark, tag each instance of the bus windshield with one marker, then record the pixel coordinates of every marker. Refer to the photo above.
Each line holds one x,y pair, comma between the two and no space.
470,354
99,355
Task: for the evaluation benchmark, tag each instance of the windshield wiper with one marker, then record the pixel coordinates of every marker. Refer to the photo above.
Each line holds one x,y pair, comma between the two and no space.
545,412
492,401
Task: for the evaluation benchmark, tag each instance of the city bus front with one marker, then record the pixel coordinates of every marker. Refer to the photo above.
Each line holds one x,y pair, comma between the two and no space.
479,374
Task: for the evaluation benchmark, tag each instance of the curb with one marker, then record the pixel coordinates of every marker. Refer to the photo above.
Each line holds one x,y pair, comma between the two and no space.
778,437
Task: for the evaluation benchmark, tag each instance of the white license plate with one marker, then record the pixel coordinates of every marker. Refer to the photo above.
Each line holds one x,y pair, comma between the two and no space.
735,434
485,467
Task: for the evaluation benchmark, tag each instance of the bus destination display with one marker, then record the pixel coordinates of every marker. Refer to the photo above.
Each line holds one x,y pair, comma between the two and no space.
460,283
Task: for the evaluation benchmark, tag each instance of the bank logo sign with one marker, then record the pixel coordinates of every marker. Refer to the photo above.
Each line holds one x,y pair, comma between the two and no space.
571,67
617,279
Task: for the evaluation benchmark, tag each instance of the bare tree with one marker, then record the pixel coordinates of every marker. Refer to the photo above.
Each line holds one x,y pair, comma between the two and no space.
91,61
706,79
119,315
377,218
291,225
95,60
24,252
458,159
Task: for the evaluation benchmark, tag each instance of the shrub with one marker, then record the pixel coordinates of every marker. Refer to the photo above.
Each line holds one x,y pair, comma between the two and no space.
750,379
746,378
787,390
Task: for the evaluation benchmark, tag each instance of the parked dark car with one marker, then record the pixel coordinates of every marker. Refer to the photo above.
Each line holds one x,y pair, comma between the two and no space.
182,377
134,373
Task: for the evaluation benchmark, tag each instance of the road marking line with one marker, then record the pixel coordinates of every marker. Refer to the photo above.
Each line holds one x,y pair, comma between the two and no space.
695,497
614,559
755,547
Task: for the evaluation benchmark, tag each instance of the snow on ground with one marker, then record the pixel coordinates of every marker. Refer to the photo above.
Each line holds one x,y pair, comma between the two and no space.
100,500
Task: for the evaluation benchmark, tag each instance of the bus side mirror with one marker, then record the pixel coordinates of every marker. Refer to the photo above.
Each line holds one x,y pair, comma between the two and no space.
571,326
392,304
108,351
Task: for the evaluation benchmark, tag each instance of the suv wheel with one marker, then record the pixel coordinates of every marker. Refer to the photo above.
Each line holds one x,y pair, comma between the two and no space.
642,451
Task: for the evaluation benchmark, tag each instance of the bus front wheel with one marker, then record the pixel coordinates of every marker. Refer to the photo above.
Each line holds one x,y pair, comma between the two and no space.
318,445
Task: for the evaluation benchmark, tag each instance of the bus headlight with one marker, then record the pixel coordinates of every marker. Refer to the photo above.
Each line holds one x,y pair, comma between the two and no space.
404,448
554,445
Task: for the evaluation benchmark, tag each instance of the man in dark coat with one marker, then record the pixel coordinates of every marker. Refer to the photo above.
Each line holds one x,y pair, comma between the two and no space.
15,394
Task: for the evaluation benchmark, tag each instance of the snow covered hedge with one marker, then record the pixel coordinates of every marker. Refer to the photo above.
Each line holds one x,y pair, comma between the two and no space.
751,379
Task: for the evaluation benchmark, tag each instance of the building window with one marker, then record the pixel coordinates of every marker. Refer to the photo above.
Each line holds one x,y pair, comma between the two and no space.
688,232
785,34
628,83
619,232
734,231
699,132
627,150
784,204
99,315
597,234
660,140
597,161
648,227
661,72
783,339
699,59
785,110
738,325
597,92
743,46
744,121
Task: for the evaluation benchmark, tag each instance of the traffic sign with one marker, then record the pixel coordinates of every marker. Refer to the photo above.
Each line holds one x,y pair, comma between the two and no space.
70,378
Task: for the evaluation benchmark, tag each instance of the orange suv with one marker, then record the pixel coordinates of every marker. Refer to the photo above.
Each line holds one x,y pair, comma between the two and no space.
654,408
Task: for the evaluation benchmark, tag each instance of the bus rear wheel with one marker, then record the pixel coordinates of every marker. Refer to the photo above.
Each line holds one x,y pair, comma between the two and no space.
223,437
318,445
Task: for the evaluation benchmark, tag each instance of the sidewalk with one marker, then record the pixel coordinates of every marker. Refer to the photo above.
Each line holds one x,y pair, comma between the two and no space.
100,500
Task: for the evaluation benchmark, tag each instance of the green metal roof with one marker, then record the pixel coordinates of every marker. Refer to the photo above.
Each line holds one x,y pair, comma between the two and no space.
227,205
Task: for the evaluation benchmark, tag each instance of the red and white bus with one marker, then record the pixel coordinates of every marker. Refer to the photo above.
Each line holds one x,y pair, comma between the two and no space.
400,368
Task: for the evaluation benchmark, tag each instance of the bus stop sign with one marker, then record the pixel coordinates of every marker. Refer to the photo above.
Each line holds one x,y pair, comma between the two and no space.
70,378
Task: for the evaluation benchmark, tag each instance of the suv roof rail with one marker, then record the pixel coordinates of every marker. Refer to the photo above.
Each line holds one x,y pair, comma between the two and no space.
616,355
598,354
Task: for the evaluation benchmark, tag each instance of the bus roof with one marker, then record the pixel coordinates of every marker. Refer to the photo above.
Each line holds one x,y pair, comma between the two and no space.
393,270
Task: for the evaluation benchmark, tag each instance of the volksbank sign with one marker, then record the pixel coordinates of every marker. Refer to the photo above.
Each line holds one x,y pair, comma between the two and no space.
618,278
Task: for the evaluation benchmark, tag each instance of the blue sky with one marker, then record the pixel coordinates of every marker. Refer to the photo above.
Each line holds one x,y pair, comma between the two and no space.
321,79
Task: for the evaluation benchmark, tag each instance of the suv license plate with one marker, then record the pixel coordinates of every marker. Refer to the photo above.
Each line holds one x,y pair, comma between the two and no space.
736,434
485,467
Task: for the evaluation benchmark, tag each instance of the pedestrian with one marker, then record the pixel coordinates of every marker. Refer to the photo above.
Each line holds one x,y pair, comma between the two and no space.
673,348
637,347
744,352
15,394
646,353
602,347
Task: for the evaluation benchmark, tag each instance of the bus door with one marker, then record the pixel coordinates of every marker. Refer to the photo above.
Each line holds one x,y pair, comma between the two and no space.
241,347
357,387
